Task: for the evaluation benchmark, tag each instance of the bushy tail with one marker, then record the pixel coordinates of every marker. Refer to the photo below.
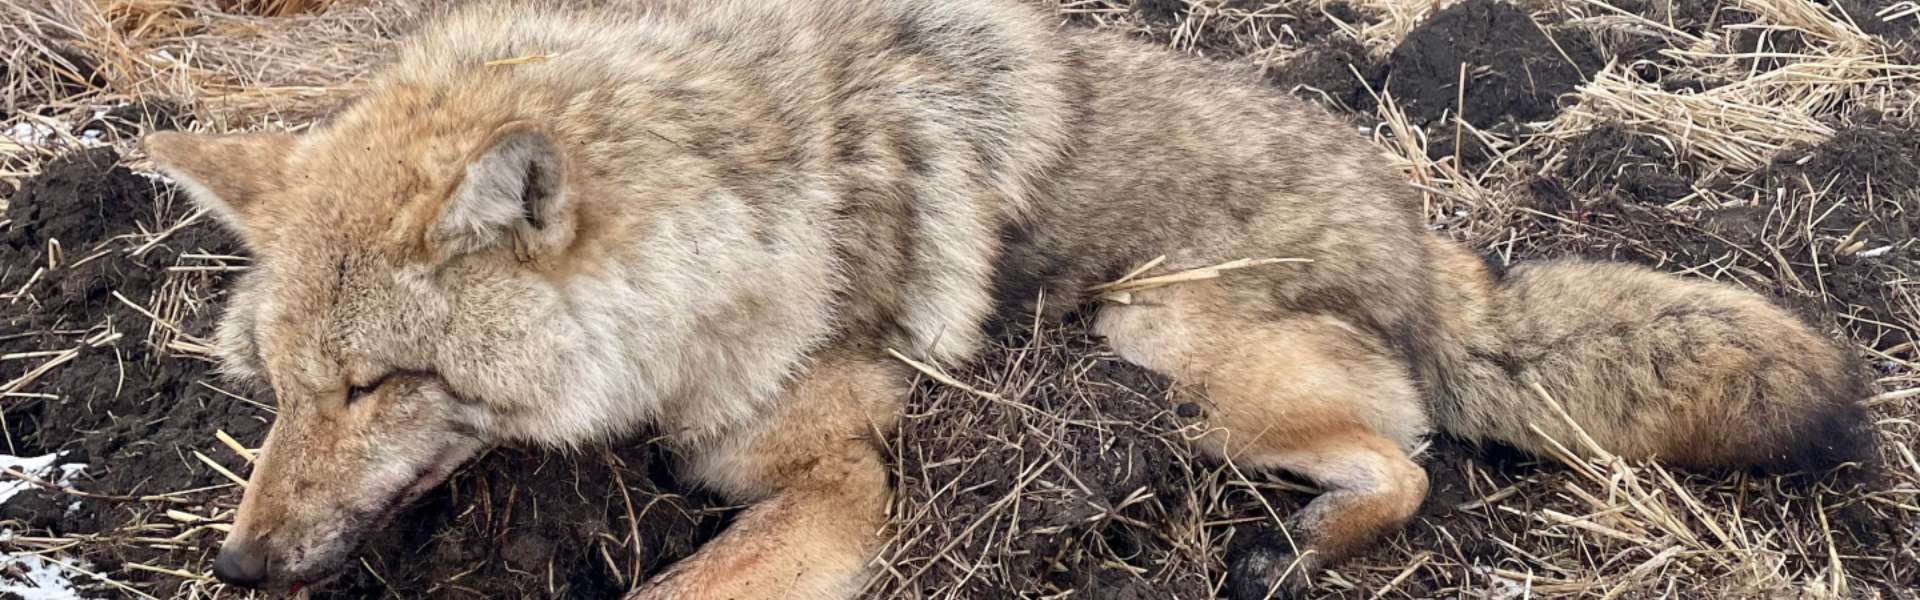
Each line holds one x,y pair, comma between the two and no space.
1649,365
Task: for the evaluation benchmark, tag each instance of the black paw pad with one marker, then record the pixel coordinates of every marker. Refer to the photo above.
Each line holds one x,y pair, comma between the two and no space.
1261,566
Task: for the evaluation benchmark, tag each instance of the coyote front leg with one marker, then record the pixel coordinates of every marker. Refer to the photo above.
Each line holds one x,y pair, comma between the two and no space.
821,487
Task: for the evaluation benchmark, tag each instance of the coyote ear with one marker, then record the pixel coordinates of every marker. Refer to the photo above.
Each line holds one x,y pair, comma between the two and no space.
514,185
224,174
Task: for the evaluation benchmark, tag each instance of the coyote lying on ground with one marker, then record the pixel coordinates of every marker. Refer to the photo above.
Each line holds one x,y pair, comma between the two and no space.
717,218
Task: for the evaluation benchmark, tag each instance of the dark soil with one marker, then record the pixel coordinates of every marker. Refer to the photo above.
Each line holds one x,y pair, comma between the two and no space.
123,403
1334,70
1613,166
516,524
1515,72
1864,13
1871,155
1084,441
129,409
1160,11
45,74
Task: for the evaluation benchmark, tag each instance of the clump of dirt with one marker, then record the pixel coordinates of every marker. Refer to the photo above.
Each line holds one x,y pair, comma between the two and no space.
99,273
1515,72
74,254
1870,156
42,75
78,202
1336,70
1614,165
1060,485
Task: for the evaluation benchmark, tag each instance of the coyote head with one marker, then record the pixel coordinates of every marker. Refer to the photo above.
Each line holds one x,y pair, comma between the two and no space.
403,309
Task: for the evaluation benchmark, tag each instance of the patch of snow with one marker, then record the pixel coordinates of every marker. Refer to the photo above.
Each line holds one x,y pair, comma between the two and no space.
40,467
30,133
39,134
35,577
1874,252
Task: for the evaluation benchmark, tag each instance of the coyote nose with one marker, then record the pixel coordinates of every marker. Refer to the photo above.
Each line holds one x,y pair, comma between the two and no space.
240,565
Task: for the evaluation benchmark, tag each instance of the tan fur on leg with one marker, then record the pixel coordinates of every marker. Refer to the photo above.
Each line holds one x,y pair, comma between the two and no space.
1308,394
822,487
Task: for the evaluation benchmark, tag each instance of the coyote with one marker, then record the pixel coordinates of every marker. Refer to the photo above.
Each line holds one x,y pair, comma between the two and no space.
553,225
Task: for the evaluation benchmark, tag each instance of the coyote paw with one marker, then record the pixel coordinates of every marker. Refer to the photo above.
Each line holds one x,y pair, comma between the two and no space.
1264,567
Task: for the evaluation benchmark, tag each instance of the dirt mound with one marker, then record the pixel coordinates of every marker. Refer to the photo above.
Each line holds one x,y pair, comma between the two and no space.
79,202
52,72
1860,188
1335,70
1515,72
95,283
1613,165
93,295
1871,156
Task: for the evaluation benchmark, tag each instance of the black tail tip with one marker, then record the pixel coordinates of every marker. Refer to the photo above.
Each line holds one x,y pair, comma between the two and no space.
1826,439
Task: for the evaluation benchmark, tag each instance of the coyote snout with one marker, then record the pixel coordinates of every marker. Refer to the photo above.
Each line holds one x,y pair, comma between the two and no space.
336,467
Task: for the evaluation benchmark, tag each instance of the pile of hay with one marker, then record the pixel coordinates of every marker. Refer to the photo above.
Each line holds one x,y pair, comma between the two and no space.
1772,144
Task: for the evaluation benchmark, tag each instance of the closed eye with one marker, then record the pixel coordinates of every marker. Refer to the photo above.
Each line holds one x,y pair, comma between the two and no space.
355,393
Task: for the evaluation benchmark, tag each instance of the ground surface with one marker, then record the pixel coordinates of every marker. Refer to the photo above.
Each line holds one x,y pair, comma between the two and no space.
1773,144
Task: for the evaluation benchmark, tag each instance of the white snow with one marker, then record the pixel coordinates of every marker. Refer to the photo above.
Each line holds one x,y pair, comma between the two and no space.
35,577
49,133
40,467
30,133
25,575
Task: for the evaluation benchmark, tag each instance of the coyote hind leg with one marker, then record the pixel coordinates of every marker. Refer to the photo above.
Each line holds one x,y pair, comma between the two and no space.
1307,394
